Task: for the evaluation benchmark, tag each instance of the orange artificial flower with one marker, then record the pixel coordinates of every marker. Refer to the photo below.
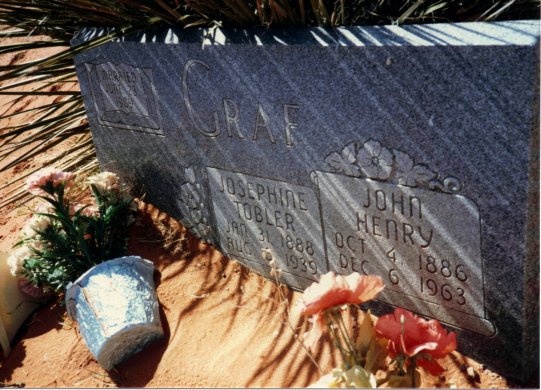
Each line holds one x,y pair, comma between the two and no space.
335,290
410,336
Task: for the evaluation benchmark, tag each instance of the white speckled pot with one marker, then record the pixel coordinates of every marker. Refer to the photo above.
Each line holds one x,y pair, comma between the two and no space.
15,306
116,307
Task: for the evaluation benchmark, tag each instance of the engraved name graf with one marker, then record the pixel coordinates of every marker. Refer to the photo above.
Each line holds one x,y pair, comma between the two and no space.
229,113
424,244
259,220
124,96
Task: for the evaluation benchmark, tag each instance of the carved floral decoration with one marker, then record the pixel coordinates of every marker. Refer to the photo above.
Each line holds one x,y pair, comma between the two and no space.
373,160
192,205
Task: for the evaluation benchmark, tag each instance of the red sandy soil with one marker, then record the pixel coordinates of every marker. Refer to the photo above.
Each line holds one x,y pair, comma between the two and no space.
224,325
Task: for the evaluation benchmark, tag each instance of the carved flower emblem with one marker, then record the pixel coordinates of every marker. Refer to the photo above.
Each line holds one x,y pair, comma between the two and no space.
203,228
377,162
344,162
410,174
196,215
189,195
374,160
192,197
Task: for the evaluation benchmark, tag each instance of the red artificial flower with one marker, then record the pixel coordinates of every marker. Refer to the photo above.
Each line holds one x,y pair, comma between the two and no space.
335,290
410,336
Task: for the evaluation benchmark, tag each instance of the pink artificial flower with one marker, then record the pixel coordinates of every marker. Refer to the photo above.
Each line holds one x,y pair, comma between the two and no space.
410,336
335,290
38,180
88,211
91,211
29,289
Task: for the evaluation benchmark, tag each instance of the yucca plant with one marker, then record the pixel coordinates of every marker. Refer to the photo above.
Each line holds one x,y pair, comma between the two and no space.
62,121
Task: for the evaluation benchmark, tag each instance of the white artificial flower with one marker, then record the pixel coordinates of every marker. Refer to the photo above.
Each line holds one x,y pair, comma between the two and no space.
36,224
37,245
16,259
105,182
45,208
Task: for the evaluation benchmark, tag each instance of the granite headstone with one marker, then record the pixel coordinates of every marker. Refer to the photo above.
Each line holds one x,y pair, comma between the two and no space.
406,152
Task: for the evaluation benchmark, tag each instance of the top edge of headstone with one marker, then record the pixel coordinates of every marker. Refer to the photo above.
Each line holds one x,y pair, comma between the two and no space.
522,33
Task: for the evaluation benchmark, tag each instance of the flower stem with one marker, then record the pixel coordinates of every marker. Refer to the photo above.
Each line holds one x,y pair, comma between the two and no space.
413,366
336,339
285,302
349,342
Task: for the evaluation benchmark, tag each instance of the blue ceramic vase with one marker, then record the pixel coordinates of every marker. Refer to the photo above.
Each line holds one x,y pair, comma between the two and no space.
116,308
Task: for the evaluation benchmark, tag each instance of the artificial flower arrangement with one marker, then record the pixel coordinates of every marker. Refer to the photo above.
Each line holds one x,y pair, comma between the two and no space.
64,239
385,355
